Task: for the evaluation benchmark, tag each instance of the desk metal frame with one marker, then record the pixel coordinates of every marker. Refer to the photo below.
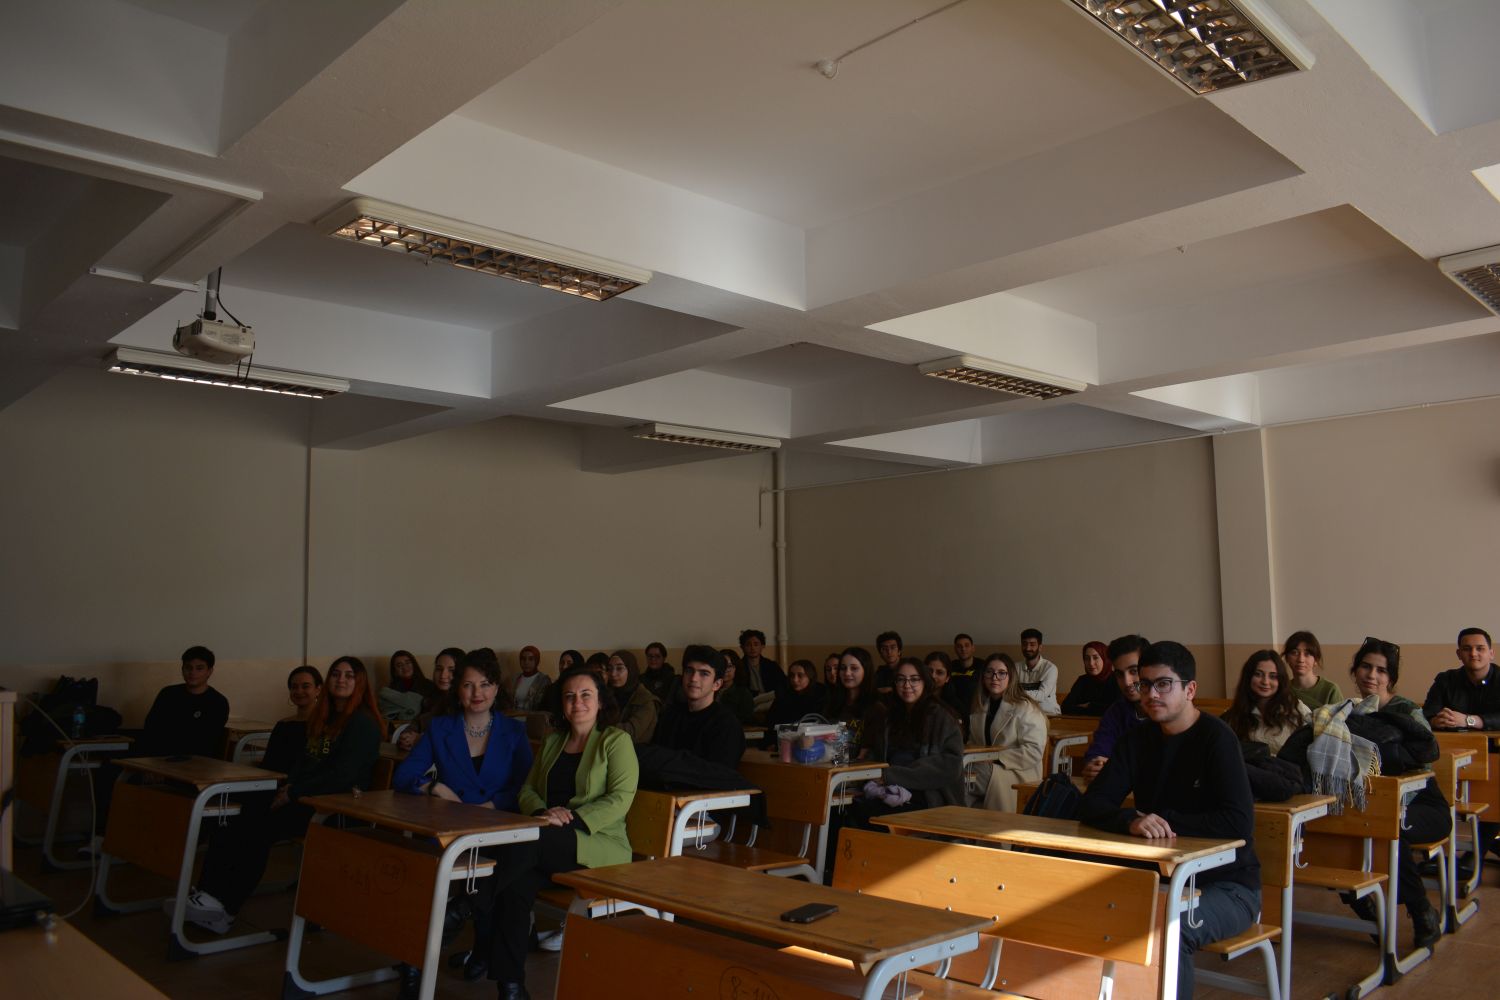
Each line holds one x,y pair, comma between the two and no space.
74,758
179,945
449,870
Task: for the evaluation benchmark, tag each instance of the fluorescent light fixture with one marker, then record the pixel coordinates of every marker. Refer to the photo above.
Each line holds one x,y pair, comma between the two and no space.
1476,272
704,438
176,368
1205,45
405,230
1001,377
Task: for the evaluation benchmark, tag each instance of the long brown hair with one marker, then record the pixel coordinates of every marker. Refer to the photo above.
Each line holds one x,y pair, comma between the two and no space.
1013,693
1281,707
323,720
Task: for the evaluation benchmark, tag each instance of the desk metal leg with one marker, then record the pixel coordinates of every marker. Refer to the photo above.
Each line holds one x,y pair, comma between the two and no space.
883,971
179,945
1398,965
70,762
835,786
1176,907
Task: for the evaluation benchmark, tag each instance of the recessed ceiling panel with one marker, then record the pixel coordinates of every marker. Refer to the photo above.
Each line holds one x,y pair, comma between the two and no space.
722,99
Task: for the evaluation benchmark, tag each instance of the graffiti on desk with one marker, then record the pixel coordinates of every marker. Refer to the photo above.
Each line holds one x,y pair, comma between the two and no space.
384,877
738,983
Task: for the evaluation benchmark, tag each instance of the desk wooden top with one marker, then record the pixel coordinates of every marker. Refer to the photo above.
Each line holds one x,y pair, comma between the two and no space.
392,752
64,963
762,758
1067,835
243,726
1297,807
200,772
68,744
865,930
421,814
1071,725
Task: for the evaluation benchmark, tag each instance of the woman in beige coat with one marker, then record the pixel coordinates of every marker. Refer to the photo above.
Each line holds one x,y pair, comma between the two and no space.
1006,718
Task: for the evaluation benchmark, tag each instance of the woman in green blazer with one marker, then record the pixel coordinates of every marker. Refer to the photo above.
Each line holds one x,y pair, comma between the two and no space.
582,782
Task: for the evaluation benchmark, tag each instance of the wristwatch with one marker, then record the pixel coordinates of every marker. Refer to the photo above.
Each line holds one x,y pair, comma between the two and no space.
1471,721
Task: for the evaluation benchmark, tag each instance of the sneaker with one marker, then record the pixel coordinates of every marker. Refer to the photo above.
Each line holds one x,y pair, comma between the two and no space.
551,941
207,912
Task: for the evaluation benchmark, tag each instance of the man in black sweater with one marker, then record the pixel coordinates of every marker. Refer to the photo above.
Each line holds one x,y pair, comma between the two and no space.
1468,697
700,725
1189,779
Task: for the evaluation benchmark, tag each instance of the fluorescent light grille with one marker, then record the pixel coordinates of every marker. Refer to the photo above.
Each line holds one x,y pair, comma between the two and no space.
704,438
983,373
1478,273
129,361
392,227
1205,45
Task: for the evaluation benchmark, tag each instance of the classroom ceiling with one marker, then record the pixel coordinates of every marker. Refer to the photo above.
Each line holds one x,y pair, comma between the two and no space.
999,180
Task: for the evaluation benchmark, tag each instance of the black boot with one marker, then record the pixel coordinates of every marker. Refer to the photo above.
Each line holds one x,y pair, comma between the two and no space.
1426,927
459,959
411,982
460,909
514,991
476,967
1364,908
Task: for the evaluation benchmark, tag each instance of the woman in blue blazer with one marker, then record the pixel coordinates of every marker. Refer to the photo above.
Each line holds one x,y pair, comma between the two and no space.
474,754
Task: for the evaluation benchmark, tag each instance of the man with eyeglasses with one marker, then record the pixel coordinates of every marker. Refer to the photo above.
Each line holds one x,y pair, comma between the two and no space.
1188,778
1125,712
1037,674
1468,697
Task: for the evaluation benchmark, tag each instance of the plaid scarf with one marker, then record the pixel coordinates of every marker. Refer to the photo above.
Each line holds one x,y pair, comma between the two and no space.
1342,763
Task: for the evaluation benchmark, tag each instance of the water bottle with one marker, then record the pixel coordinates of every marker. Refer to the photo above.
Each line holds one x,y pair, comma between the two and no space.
80,717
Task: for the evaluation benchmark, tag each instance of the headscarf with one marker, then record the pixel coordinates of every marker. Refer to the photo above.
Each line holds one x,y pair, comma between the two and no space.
1341,762
1103,652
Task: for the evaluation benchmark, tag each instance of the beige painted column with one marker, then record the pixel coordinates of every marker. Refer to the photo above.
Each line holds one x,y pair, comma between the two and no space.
1246,588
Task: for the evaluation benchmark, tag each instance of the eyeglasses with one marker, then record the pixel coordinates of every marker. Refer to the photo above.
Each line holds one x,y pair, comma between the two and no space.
1371,640
1161,685
996,675
903,680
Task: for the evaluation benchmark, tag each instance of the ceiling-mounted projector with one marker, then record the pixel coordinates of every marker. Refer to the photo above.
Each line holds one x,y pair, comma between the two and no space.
213,341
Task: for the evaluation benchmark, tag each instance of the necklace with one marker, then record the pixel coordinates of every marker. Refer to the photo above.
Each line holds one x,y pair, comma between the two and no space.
482,731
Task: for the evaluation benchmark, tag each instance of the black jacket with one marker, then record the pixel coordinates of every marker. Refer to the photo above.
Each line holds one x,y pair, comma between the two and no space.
1451,689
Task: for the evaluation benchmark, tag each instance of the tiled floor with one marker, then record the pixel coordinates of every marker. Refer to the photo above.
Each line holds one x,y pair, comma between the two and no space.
1325,962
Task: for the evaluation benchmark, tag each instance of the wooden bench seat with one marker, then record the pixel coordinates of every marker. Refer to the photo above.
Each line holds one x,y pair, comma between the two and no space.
1339,879
934,988
1251,937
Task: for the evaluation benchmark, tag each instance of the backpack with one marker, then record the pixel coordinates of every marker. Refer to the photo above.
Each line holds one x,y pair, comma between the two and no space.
1056,797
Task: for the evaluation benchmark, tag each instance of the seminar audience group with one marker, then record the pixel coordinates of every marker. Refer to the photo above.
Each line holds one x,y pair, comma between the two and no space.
615,726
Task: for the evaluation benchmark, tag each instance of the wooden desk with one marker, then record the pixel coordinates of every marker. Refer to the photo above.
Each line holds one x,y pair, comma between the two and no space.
1382,820
1063,733
156,827
62,963
239,733
384,889
1278,846
80,756
1178,858
1477,793
882,937
804,793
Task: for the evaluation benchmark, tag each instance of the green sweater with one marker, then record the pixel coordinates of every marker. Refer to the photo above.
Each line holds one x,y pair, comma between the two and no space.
1325,692
606,782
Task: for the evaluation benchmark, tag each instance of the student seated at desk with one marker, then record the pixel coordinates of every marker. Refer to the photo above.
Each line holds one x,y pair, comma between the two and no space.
583,782
444,669
947,691
1336,749
853,700
1188,779
801,697
185,719
1126,713
1265,708
530,684
637,705
1304,658
1095,689
699,724
289,736
344,732
1468,697
472,754
408,693
1005,716
660,679
919,741
735,694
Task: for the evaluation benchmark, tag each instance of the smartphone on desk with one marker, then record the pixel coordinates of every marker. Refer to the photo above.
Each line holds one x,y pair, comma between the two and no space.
810,912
